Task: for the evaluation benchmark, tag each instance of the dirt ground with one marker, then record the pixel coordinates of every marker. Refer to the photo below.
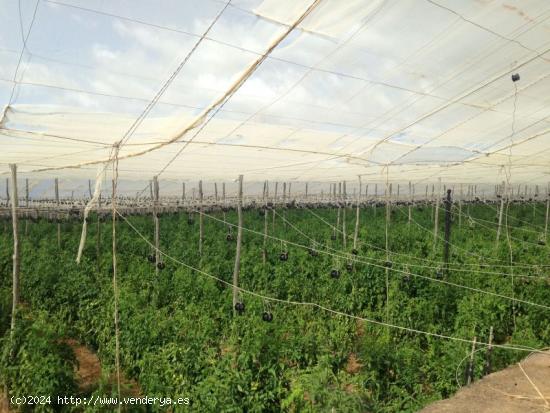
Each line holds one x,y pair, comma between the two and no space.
88,374
4,405
508,391
512,390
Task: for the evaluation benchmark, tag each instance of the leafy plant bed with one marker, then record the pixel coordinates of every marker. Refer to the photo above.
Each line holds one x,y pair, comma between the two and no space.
179,336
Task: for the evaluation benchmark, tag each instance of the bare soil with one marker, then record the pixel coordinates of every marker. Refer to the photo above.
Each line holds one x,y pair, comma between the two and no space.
88,372
506,391
88,375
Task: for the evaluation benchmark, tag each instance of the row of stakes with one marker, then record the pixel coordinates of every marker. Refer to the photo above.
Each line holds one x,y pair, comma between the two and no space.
267,316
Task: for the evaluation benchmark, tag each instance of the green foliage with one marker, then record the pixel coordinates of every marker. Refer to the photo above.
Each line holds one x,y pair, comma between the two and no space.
35,361
179,336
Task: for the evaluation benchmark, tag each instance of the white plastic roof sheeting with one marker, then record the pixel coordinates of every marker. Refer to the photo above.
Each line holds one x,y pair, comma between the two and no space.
410,89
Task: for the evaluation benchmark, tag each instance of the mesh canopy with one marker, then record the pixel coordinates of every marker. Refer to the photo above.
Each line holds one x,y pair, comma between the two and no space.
288,89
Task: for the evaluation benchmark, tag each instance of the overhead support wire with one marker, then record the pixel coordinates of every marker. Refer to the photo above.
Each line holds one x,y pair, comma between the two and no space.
203,117
322,307
24,39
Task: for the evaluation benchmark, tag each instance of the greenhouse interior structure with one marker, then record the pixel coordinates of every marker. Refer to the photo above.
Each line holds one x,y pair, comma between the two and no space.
275,206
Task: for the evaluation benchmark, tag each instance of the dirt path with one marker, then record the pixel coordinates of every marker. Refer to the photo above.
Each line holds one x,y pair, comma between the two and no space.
4,405
508,391
88,373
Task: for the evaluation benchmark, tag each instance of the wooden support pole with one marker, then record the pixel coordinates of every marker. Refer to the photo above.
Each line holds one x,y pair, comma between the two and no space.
274,206
356,232
500,214
488,362
306,190
470,370
436,213
448,221
26,202
216,192
344,234
57,214
15,257
98,243
201,228
375,199
183,192
387,270
266,194
224,205
156,222
237,267
410,203
460,208
90,188
339,209
7,191
115,282
283,211
390,198
547,210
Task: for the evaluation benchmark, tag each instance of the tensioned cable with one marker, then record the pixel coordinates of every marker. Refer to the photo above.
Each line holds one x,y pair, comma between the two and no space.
465,214
244,49
464,122
163,102
447,104
471,253
481,26
521,241
474,116
453,245
205,113
394,253
374,265
308,72
383,118
520,220
403,271
232,91
202,143
228,96
319,306
165,86
25,39
11,132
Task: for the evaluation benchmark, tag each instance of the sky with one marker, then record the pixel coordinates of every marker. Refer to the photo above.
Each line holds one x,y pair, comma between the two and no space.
390,82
